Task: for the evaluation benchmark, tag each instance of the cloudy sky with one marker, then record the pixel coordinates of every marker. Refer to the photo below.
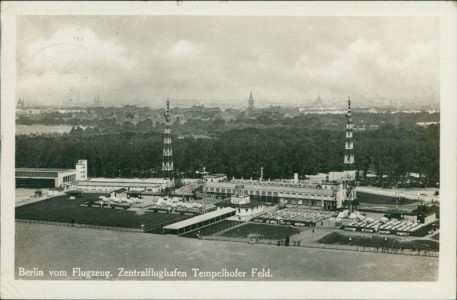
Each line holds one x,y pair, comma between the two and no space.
144,60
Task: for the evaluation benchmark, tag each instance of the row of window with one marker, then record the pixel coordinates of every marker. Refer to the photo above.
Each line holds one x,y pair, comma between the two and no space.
263,193
36,174
300,202
69,178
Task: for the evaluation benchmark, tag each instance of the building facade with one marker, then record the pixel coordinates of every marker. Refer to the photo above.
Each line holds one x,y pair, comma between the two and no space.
81,169
51,177
327,195
45,177
146,185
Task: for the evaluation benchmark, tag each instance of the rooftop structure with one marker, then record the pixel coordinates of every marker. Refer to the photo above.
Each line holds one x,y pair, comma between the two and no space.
200,221
215,178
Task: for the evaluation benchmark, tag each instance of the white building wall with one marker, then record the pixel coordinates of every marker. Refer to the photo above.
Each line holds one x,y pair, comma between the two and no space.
61,182
247,212
81,170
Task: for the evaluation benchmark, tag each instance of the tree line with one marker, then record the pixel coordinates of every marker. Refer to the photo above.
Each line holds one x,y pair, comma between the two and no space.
281,151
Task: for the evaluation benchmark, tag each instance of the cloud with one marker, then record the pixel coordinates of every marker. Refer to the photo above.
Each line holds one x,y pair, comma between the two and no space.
70,58
350,60
364,67
217,59
183,48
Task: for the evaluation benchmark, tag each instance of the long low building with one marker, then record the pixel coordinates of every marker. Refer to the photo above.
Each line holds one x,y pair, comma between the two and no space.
326,195
151,185
45,177
199,221
51,177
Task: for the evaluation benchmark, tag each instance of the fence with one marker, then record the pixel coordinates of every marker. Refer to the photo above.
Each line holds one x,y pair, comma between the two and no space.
155,227
325,246
224,238
80,225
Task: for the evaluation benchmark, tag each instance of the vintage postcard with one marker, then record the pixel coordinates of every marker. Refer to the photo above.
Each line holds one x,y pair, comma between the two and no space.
225,150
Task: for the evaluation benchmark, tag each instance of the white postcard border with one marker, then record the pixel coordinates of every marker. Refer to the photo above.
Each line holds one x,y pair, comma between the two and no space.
443,288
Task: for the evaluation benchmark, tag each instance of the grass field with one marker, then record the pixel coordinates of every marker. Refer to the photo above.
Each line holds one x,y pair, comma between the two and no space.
62,209
377,241
380,199
63,248
269,232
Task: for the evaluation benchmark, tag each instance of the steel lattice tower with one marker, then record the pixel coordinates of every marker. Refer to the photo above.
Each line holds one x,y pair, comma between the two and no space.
167,164
349,168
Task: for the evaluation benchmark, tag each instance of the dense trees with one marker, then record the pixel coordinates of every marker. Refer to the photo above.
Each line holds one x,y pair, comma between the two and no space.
134,151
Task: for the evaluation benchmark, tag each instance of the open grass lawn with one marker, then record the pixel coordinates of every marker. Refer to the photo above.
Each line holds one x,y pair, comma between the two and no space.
380,199
377,241
269,232
62,209
63,248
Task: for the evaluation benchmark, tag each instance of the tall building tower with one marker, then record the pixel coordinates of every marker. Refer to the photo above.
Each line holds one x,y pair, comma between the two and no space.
349,168
318,102
167,164
97,101
251,102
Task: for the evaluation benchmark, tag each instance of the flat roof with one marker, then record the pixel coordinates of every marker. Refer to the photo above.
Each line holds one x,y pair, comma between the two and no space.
250,204
44,170
200,218
188,188
127,180
119,183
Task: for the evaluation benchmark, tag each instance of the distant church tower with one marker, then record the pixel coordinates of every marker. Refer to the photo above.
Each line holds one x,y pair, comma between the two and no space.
349,168
167,164
20,103
251,102
97,101
319,100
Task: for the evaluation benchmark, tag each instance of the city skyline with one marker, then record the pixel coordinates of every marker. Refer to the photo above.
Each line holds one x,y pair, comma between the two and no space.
215,60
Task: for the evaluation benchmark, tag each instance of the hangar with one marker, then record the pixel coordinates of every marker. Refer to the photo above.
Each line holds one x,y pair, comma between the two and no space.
51,177
44,177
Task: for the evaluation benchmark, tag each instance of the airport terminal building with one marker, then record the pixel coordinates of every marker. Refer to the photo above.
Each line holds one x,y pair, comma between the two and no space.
326,195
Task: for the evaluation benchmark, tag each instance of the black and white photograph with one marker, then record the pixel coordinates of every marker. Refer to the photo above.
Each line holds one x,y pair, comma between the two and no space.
228,150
